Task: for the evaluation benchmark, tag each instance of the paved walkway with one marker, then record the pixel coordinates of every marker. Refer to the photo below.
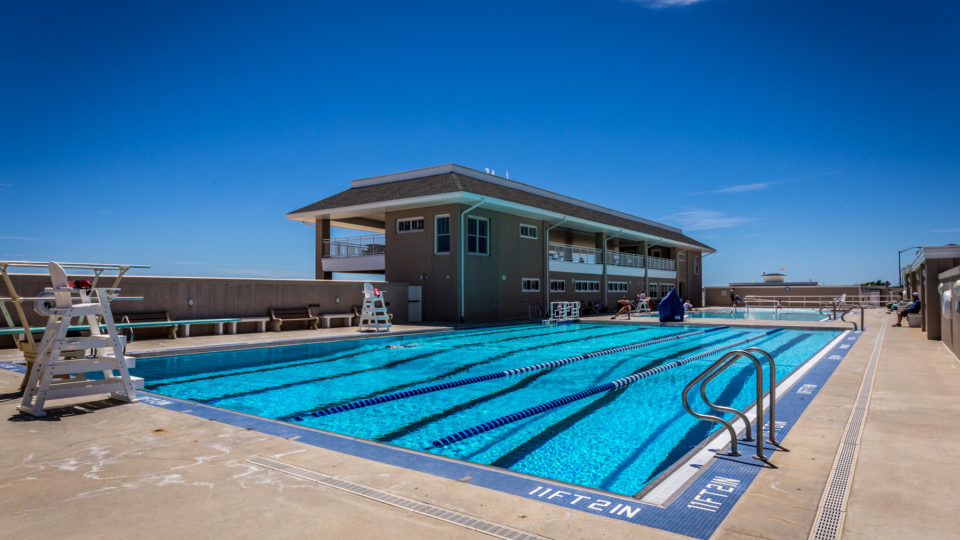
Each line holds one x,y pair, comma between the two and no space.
169,475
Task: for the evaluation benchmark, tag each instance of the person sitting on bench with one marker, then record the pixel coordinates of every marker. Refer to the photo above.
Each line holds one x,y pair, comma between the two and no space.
914,307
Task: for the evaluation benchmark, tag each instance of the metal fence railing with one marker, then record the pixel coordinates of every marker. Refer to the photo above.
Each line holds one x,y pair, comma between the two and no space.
354,246
581,254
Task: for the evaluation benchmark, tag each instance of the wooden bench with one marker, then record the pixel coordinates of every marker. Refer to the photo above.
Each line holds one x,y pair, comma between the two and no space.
347,318
261,324
159,316
279,315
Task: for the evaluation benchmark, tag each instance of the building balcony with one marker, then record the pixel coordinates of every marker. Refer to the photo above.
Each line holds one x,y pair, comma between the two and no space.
579,259
354,254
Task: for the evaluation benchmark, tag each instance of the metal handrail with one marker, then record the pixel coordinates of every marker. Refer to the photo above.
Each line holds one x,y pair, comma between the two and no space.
855,327
714,370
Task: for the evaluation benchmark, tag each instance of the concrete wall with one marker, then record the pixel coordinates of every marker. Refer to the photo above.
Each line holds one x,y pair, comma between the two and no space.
950,312
220,297
924,280
720,296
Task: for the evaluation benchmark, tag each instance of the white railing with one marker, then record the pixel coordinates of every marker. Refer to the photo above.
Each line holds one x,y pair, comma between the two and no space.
819,301
658,263
564,252
617,258
354,246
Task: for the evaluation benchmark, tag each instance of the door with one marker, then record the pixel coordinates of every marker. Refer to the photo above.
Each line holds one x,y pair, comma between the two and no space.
414,313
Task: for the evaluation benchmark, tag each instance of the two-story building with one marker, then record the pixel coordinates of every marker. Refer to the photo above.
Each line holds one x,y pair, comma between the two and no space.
478,247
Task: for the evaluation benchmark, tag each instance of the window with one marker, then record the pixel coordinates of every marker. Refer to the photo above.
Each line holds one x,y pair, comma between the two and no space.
652,292
681,257
441,241
528,231
478,236
696,265
558,285
616,286
586,286
530,285
410,225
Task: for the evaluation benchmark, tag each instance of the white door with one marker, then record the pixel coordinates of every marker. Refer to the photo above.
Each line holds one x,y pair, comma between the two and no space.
414,313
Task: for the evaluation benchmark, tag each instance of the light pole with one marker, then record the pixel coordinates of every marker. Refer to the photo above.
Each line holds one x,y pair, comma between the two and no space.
900,266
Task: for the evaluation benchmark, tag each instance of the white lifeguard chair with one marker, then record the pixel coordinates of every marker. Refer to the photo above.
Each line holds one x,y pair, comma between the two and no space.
54,375
373,314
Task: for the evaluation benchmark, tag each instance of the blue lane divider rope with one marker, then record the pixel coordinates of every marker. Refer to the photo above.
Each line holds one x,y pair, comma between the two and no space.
606,387
480,378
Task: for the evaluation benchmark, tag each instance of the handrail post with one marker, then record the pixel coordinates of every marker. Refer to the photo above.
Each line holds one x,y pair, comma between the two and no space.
863,326
708,417
771,436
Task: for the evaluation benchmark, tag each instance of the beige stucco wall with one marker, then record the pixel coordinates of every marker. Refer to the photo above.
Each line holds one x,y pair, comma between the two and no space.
950,326
221,297
924,280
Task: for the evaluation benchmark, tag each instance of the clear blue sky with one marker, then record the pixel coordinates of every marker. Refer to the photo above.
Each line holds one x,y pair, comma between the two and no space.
816,136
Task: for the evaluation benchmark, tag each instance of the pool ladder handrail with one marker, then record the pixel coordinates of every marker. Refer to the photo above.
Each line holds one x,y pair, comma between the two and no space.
716,369
855,327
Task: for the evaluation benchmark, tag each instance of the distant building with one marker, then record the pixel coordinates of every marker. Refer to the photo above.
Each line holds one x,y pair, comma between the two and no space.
478,247
774,286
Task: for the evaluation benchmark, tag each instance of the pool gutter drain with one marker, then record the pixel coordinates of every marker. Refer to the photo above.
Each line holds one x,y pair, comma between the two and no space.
463,520
828,524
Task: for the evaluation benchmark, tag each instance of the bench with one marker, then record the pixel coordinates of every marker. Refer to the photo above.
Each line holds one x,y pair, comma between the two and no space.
261,323
155,317
347,318
913,320
279,315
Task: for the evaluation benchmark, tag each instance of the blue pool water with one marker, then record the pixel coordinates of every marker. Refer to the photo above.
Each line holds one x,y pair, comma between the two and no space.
758,314
616,441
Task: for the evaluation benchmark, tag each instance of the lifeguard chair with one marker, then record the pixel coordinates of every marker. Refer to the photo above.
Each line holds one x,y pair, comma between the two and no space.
55,373
373,314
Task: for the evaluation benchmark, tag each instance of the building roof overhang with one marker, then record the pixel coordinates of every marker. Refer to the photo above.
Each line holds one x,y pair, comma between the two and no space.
369,216
949,251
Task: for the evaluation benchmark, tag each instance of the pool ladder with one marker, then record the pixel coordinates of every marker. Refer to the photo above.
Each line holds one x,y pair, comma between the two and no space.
717,368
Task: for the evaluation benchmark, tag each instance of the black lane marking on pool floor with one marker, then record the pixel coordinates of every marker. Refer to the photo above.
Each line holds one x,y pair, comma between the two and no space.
455,371
388,365
519,385
696,512
310,360
554,430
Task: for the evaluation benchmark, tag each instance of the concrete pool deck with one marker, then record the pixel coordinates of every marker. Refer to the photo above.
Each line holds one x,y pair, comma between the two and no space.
164,474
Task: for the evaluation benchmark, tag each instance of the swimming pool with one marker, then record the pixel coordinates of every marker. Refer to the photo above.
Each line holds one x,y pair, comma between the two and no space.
615,441
758,314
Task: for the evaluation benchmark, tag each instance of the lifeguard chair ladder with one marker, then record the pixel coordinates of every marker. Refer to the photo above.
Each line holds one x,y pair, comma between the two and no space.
373,314
54,375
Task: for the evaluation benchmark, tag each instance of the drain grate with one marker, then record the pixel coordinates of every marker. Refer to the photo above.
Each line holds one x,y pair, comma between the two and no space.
463,520
833,505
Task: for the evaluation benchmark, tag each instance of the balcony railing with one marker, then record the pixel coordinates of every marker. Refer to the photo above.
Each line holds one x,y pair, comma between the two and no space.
354,246
658,263
579,254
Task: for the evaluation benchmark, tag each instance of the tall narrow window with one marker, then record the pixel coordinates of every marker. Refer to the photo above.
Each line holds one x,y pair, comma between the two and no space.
696,265
442,234
478,236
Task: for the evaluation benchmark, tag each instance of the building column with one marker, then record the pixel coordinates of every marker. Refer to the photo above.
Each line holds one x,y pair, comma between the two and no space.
600,240
323,234
646,276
